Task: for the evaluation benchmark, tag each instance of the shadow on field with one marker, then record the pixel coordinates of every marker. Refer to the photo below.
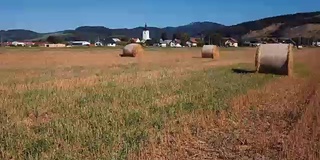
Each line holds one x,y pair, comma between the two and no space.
242,71
196,57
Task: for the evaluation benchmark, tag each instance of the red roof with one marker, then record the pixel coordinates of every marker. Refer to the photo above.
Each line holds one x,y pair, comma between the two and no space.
177,40
234,40
193,40
135,39
231,39
39,43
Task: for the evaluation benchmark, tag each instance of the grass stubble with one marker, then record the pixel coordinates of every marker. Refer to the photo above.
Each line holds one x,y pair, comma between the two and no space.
173,108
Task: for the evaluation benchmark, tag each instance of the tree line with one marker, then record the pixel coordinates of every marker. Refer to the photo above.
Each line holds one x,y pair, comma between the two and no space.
213,38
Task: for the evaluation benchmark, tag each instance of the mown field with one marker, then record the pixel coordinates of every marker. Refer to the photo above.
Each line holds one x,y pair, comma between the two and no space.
168,104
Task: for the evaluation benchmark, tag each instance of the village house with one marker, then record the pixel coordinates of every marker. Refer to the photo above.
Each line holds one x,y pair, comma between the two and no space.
111,42
192,42
116,40
317,44
80,43
230,42
165,43
287,41
16,43
59,45
135,40
170,43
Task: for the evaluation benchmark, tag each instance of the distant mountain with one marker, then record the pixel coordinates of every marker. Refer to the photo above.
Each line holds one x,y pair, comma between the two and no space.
193,29
94,32
18,34
292,25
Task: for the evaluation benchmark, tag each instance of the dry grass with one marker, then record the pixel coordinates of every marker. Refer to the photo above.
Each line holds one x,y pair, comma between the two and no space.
279,121
171,104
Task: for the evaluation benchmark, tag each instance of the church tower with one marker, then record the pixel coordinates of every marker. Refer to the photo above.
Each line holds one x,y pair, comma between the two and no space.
145,33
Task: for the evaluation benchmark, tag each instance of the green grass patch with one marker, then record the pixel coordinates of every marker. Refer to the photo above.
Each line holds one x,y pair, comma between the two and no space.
110,120
301,70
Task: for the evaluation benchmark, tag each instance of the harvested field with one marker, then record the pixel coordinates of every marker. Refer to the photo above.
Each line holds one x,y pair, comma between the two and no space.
169,104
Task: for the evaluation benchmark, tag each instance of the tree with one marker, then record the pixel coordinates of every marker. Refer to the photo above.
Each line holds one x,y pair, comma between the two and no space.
200,42
164,36
124,39
213,38
54,39
184,38
176,36
132,41
151,42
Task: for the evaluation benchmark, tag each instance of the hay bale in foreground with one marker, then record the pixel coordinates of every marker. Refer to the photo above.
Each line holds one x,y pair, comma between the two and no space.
132,50
210,51
274,58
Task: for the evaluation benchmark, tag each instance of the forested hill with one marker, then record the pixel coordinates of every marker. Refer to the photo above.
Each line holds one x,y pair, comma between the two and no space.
94,32
292,25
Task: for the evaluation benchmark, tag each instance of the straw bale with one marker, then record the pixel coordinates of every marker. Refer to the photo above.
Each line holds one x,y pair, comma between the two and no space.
132,50
210,51
274,58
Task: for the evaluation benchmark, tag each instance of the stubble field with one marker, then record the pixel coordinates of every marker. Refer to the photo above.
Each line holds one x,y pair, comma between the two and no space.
168,104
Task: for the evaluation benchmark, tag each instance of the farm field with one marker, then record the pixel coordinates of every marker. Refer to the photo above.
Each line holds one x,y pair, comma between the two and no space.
77,103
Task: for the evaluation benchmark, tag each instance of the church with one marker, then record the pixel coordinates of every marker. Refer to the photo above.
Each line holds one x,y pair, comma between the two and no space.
145,33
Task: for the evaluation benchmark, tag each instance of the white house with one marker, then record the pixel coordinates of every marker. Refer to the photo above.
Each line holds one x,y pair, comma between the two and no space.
135,40
15,43
178,45
98,44
80,43
170,43
317,44
194,42
111,42
116,40
163,45
55,45
230,42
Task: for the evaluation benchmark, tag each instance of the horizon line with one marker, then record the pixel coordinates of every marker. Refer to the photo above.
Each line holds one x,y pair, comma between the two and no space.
160,27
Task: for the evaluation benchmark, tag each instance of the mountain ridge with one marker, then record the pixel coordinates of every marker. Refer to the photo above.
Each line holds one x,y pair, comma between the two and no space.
92,32
288,21
290,25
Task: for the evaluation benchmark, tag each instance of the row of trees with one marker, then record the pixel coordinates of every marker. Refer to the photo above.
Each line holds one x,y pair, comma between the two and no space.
210,38
183,37
305,41
55,39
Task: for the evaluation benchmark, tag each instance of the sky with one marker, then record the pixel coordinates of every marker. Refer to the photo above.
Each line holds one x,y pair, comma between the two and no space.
56,15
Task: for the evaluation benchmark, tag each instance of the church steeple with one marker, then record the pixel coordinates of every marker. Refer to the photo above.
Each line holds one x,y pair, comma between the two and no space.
145,33
145,27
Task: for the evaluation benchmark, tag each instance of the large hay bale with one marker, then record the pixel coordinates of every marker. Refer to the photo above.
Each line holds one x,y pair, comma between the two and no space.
274,58
210,51
132,50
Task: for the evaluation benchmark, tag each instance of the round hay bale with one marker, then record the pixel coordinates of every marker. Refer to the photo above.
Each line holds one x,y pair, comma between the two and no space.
132,50
210,51
274,58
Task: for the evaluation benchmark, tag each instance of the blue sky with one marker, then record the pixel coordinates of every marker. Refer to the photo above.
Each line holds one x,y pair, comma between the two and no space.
55,15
